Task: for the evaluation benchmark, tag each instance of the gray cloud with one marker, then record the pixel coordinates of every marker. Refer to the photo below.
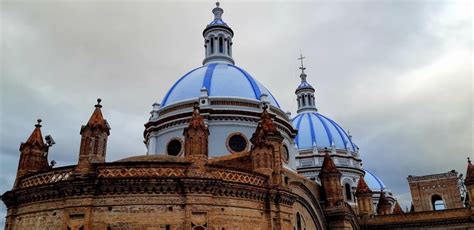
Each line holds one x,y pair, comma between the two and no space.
397,74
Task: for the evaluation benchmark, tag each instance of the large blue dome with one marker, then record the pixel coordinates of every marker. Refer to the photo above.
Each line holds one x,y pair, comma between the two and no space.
375,183
220,80
317,130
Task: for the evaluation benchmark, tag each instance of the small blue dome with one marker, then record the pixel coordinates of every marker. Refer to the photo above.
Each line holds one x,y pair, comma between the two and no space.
217,21
374,183
304,85
317,130
220,80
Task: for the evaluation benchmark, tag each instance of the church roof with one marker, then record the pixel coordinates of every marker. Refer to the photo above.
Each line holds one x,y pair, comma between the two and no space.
97,119
36,138
220,80
304,85
328,165
217,21
382,200
362,187
317,130
196,122
373,181
397,209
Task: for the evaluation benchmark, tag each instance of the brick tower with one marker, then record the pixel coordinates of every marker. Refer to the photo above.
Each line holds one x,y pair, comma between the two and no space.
196,136
383,206
266,148
331,181
364,199
397,209
33,156
431,191
93,141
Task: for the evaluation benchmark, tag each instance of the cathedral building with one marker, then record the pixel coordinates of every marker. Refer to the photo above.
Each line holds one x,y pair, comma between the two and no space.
223,155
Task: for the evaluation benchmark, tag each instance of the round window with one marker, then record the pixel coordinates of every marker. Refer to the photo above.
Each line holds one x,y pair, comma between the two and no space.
285,154
174,147
237,143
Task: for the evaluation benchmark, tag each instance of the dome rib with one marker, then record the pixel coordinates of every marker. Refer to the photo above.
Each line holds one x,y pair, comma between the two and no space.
343,137
329,134
313,136
346,135
298,127
165,100
220,80
276,102
370,178
338,131
208,77
315,129
256,89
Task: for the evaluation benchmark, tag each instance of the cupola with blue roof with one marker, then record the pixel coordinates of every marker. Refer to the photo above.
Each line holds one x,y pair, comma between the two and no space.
218,76
218,39
314,129
230,99
319,135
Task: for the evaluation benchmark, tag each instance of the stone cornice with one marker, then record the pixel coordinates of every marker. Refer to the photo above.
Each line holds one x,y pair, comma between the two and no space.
450,174
144,177
440,218
179,113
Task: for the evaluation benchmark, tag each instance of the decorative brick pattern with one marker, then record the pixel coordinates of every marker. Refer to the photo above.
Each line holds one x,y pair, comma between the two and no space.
239,177
141,172
47,178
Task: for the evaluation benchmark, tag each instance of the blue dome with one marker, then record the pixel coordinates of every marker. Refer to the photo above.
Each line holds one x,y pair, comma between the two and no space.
220,80
217,21
304,85
374,183
317,130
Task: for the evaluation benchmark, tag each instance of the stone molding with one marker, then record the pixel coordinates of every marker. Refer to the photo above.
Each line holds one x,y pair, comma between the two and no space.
145,178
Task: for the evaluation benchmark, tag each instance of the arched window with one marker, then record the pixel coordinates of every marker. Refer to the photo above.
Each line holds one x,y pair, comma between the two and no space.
221,45
437,202
303,100
228,47
348,191
212,45
285,154
298,221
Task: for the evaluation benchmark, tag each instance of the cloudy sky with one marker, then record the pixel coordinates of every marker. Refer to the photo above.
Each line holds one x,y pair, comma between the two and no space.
397,74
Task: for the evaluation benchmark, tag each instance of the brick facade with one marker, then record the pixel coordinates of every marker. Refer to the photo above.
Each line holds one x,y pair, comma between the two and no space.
426,188
247,190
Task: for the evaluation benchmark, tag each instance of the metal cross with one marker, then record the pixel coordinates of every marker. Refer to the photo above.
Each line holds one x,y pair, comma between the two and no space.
302,68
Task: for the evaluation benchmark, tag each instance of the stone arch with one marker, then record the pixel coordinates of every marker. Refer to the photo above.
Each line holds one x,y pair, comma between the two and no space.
306,201
347,187
437,202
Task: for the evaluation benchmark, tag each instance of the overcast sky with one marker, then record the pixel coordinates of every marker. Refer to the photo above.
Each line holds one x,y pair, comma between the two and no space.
397,74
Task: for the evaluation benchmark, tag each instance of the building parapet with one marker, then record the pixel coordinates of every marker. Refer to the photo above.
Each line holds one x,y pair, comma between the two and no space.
437,176
421,219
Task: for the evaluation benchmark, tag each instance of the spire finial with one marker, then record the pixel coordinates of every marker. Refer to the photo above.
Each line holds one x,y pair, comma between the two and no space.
302,68
38,125
217,11
98,103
